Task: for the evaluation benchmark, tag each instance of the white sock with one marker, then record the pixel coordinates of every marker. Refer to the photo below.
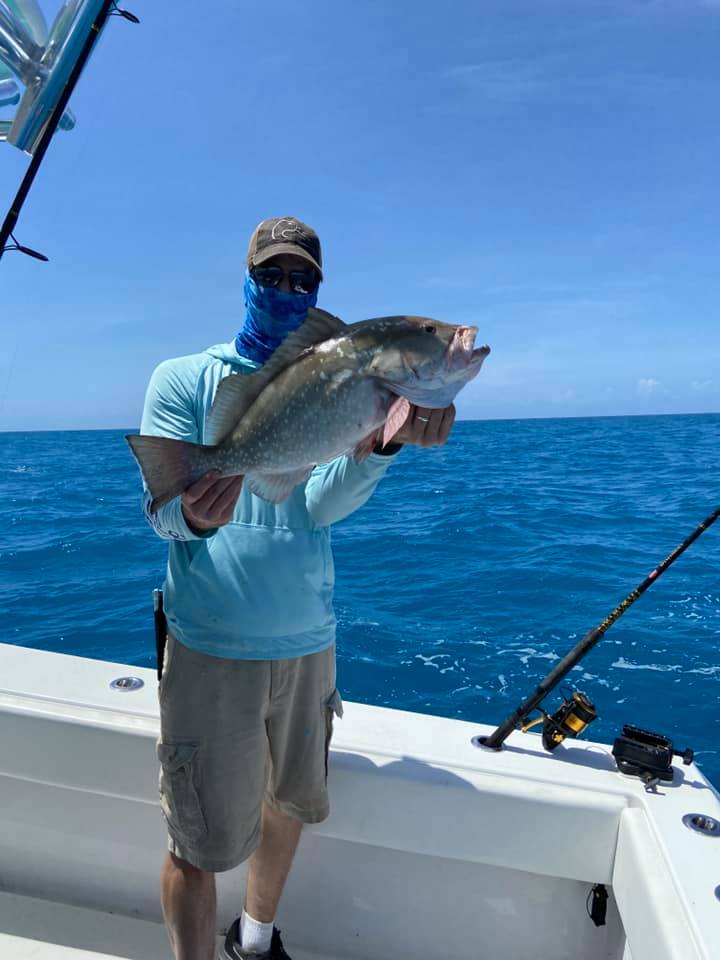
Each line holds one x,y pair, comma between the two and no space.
255,936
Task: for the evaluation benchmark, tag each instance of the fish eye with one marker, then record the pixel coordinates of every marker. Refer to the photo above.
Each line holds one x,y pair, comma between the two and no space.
429,328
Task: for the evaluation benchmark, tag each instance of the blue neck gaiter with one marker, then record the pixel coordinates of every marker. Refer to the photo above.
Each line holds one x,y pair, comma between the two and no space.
270,315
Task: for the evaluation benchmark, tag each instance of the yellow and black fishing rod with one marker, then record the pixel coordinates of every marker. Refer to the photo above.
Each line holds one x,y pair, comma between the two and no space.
577,712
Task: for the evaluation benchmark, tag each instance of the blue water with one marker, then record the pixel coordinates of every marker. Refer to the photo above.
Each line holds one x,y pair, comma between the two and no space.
468,574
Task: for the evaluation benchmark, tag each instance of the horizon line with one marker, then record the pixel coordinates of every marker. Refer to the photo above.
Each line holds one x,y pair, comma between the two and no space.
600,416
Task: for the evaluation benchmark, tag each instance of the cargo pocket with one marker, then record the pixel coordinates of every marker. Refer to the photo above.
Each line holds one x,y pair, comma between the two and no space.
179,799
333,708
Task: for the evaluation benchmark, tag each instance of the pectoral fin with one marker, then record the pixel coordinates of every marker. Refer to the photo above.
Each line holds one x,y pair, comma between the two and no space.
397,415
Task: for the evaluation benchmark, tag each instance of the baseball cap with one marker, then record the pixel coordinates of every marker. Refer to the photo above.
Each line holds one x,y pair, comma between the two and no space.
284,235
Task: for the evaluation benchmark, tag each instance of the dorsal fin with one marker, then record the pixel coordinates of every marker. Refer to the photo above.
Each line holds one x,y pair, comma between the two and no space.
237,393
319,325
233,398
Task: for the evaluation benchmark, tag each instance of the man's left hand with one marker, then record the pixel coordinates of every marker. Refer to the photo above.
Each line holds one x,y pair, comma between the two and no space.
426,428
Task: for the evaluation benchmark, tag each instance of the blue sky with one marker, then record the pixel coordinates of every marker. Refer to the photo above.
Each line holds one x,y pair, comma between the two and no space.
545,170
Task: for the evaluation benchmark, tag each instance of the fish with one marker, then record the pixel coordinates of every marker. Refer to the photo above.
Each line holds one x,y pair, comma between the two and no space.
329,389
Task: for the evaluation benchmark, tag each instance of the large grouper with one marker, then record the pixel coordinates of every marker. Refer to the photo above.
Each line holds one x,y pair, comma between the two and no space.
326,391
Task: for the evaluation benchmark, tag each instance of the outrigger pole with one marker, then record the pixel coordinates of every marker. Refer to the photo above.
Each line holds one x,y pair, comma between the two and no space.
108,9
520,716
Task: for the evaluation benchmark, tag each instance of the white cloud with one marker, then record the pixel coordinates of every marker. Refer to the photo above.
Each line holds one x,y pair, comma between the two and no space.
701,384
646,386
499,82
553,77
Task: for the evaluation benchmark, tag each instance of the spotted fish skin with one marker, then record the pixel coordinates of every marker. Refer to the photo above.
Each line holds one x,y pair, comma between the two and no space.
318,409
326,389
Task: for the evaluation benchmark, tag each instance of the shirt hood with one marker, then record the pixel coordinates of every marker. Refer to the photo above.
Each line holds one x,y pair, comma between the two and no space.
228,354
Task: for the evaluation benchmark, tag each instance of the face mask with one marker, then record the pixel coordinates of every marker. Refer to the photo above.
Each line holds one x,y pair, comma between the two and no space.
270,315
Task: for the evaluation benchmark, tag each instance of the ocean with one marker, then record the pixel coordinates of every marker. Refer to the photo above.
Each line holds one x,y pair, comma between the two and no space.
469,573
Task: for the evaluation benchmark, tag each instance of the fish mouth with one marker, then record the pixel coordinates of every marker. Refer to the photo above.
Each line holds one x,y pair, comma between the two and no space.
462,352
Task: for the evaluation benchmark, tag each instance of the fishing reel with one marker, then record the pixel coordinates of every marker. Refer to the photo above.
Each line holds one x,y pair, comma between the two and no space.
571,719
640,753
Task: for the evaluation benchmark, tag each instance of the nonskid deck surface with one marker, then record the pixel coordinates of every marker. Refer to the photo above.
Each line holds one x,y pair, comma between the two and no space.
34,929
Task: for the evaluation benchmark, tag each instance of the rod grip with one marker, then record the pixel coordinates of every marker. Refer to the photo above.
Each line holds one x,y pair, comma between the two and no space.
160,630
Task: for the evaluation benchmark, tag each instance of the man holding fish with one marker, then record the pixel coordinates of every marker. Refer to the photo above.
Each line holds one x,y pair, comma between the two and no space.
250,451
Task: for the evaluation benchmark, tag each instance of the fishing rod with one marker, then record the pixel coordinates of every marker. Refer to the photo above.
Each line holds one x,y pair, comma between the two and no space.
108,9
577,712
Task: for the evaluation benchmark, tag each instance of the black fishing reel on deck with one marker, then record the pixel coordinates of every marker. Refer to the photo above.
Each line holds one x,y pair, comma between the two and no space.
640,753
572,718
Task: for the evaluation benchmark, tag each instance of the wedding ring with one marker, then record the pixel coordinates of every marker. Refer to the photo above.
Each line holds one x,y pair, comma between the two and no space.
424,419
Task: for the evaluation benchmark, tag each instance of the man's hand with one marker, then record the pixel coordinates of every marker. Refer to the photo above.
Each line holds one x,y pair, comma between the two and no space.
210,501
426,428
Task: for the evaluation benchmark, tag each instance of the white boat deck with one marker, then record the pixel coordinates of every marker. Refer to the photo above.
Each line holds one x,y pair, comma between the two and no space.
506,845
32,929
35,929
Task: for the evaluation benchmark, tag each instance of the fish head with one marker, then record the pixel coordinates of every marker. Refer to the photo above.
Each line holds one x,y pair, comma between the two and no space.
425,360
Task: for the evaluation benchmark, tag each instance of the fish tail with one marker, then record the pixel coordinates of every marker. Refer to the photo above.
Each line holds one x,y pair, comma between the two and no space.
168,466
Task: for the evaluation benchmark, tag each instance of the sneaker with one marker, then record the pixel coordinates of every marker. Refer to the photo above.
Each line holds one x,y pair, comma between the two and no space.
233,951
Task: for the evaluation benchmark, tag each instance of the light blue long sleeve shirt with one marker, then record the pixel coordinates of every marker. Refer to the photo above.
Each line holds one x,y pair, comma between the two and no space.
260,587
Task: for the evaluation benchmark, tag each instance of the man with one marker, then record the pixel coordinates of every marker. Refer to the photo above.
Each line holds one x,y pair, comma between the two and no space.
247,694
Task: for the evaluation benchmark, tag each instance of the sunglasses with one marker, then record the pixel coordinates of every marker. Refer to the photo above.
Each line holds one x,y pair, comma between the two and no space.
301,281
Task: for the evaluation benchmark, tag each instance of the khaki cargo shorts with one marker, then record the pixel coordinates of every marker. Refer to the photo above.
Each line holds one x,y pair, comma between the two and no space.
234,733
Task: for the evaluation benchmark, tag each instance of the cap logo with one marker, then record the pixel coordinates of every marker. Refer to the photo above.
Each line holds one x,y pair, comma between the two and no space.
285,230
